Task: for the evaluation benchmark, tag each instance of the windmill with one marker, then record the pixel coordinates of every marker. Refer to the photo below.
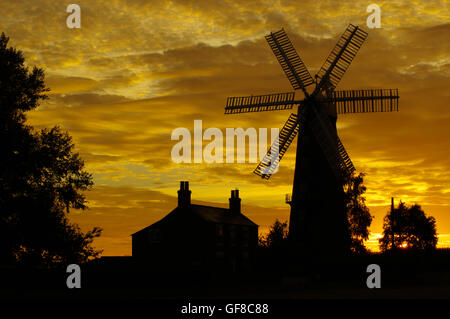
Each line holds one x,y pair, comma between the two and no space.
317,219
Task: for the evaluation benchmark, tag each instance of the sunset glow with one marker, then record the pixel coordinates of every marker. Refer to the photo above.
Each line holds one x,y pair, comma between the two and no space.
137,70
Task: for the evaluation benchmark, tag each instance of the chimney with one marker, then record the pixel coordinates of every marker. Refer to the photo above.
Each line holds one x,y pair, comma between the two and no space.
235,202
184,195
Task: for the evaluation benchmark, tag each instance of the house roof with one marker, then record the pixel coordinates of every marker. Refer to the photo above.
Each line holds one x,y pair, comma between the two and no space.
220,215
210,214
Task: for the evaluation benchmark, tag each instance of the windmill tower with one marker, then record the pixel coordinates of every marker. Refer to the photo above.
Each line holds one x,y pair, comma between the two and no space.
318,219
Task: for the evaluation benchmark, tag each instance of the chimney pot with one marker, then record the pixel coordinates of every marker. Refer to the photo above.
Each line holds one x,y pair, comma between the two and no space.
235,202
184,194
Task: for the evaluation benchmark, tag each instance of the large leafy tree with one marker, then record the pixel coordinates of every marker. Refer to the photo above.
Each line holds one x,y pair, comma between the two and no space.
41,177
358,215
407,227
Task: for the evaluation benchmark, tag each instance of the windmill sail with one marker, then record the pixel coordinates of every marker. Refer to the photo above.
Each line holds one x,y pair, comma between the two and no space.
269,164
318,181
287,56
260,103
340,57
349,167
365,101
316,103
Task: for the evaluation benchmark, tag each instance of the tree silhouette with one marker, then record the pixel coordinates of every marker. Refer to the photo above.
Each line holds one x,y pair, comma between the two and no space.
41,177
358,215
408,227
277,236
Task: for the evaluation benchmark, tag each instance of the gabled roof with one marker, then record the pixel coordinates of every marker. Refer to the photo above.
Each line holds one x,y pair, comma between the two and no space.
220,215
208,213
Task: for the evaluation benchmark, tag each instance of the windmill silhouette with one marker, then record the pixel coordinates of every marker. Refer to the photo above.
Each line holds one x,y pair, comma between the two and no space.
318,218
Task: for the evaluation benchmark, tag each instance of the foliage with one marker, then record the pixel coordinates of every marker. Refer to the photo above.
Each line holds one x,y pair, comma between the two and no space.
276,237
358,214
41,177
411,227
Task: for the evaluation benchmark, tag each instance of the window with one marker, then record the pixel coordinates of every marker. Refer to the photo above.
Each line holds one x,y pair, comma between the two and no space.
220,254
245,255
233,235
154,236
245,236
219,234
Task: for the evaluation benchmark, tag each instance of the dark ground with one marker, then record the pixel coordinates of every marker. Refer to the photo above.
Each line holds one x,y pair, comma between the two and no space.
404,276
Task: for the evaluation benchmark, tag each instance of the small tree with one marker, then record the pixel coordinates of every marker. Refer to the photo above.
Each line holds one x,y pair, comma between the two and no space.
276,237
408,227
358,214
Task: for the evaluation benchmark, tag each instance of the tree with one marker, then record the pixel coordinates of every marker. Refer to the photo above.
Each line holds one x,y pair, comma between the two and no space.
408,227
41,178
276,237
358,215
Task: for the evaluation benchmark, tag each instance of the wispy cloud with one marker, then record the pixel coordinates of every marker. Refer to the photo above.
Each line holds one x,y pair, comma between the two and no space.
136,70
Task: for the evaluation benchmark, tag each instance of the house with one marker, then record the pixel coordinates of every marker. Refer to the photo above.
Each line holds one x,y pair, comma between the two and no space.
199,237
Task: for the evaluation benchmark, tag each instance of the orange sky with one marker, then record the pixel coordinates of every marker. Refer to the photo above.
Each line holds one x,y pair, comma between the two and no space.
136,70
